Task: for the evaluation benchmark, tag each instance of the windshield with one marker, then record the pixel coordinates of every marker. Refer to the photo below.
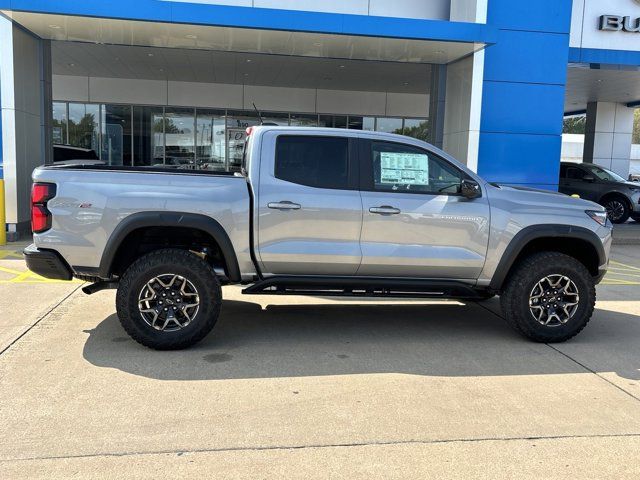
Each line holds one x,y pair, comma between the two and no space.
603,173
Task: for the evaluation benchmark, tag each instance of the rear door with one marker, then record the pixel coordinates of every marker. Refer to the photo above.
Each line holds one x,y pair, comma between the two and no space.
309,211
415,223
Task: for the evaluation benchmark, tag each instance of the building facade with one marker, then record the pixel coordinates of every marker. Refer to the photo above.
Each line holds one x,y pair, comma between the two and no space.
175,83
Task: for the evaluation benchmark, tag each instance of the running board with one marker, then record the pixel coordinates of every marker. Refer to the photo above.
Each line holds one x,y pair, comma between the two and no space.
361,287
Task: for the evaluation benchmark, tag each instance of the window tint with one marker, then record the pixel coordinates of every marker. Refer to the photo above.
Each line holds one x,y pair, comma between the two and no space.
575,173
402,168
314,161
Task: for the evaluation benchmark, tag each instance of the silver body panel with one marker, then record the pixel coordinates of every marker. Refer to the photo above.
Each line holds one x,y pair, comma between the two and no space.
332,232
90,204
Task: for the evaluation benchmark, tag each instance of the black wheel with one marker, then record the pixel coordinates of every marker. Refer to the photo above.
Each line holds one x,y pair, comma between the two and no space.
169,299
618,209
549,297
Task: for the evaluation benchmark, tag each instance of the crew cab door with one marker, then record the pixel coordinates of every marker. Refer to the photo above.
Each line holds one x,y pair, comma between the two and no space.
415,223
309,212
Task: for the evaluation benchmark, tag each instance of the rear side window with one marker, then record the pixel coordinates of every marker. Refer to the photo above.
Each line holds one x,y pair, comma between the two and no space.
321,162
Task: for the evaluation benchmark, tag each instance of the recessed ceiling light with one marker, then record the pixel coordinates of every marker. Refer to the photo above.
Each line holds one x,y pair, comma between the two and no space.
405,83
55,27
341,66
162,69
192,37
72,64
246,74
149,54
599,80
249,60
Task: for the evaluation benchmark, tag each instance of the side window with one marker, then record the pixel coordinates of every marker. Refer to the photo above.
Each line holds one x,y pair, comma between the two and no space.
314,161
574,173
403,168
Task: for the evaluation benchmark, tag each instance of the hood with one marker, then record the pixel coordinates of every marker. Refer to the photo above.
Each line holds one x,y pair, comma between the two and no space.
545,198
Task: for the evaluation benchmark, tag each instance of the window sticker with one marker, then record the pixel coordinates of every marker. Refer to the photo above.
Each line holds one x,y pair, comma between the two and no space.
404,168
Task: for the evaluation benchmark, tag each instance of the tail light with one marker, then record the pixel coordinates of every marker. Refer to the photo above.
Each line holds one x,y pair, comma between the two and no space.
41,193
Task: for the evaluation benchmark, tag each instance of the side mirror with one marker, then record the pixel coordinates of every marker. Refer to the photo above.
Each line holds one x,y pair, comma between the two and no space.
470,189
589,178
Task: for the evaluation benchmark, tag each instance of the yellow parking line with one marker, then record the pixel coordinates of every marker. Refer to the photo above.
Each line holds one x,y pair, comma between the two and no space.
625,266
11,270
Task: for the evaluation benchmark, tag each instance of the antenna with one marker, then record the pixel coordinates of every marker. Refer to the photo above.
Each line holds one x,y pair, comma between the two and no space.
258,113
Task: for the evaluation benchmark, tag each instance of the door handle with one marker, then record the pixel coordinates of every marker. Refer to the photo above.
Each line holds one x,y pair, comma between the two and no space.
284,205
385,210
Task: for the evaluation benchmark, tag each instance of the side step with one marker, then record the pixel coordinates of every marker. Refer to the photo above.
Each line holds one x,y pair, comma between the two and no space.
361,287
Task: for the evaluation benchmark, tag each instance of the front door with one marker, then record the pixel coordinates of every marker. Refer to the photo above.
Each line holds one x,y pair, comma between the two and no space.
309,212
575,180
415,223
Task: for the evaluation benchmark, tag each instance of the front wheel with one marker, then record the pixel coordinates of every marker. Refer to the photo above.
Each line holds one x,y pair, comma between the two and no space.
169,299
618,209
549,297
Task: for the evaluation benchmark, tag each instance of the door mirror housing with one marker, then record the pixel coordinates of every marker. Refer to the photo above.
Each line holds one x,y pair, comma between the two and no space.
470,189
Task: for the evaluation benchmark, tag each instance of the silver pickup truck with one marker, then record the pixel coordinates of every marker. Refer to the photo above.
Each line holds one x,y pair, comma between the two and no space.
317,212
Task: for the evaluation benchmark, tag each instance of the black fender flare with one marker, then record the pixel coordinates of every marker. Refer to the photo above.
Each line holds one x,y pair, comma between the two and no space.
170,219
535,232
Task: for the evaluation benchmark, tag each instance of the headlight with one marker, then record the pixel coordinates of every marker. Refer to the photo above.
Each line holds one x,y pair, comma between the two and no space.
600,217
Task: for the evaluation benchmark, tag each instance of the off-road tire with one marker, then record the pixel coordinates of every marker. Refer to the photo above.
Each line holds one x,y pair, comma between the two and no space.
160,262
521,281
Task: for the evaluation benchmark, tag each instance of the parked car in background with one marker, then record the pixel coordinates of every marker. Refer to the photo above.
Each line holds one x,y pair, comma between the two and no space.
592,182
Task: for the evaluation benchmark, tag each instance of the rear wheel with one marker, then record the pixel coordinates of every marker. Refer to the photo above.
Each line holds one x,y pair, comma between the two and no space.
169,299
549,297
618,209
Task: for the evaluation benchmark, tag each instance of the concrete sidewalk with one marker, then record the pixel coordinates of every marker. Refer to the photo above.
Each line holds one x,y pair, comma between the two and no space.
299,387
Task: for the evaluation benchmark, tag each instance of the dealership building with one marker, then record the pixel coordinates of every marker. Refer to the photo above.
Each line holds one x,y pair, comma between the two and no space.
174,82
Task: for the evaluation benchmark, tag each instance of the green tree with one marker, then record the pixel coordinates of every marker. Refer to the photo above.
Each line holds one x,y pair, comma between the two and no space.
575,124
421,131
81,134
636,126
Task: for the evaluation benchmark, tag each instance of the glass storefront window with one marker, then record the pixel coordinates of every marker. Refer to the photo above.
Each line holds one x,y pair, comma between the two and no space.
211,152
389,125
362,123
116,134
84,126
333,121
417,128
59,125
179,135
148,136
298,120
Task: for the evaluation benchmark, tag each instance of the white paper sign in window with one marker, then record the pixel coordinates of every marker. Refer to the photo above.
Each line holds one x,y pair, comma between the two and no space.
404,168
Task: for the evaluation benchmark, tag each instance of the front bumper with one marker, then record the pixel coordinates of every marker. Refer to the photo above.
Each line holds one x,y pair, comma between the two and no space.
47,263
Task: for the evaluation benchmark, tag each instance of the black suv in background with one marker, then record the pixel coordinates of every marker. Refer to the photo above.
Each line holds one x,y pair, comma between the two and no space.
592,182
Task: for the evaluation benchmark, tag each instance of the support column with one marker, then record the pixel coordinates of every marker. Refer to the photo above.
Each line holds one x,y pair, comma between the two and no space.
437,104
608,136
25,93
525,75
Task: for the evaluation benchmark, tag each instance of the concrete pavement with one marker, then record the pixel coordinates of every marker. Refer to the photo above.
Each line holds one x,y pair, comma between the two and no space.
300,387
